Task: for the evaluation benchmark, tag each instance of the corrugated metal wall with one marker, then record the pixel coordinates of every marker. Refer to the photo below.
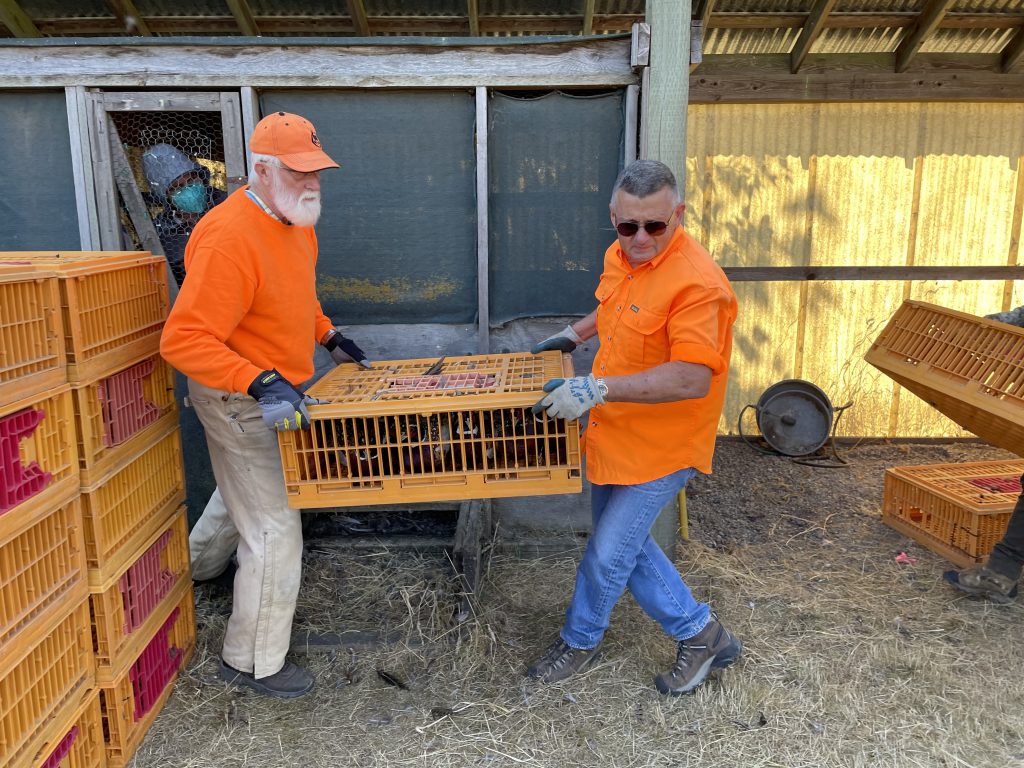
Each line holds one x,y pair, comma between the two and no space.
852,185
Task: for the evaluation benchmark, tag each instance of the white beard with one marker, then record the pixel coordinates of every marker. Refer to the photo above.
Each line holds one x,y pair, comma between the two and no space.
302,209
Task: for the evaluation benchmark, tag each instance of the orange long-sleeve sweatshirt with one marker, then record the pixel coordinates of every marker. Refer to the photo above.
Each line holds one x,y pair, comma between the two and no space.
249,303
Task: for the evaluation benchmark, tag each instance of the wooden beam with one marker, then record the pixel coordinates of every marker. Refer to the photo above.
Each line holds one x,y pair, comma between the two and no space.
813,28
17,20
702,12
927,23
588,17
793,274
243,17
1013,53
825,78
483,276
665,112
594,63
357,11
130,19
473,11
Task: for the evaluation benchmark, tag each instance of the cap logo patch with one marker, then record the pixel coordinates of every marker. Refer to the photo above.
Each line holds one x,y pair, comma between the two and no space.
316,140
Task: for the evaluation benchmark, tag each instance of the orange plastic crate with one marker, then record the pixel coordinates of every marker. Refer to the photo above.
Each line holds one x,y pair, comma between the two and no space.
42,685
123,509
38,456
31,338
968,368
119,413
958,511
42,574
135,698
81,744
395,435
126,612
114,304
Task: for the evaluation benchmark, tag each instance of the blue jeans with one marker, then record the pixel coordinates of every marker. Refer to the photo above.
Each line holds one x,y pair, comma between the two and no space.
622,553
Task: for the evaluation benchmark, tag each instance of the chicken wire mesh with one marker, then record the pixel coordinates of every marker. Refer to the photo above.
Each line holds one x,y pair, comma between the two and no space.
177,159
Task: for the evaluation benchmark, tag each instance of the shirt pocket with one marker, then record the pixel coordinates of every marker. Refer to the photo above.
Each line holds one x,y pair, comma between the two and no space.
644,337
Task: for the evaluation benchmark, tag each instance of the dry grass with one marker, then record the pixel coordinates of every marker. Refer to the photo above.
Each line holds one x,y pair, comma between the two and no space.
849,660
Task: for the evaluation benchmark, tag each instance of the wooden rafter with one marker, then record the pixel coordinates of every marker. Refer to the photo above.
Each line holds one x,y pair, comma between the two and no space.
814,26
129,18
243,17
588,17
17,20
927,22
474,17
357,11
1013,54
702,12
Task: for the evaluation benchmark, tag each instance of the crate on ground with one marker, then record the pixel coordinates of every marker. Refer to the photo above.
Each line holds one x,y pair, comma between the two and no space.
133,700
125,611
958,511
38,455
41,685
114,304
393,434
81,744
42,574
121,411
124,508
31,336
968,368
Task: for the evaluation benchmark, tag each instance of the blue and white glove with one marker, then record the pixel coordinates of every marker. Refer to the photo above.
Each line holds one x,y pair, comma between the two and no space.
282,406
344,350
564,341
569,398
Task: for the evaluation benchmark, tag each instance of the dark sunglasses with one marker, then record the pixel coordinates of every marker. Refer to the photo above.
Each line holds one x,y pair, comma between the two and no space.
652,228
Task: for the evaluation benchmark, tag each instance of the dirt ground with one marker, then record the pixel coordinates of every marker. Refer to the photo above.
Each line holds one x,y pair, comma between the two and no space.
850,658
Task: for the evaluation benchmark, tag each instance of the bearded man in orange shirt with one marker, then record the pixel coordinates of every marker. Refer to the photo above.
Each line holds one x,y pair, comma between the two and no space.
243,330
652,403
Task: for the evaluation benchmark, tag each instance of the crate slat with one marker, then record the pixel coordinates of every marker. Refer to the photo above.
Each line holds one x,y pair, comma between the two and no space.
32,357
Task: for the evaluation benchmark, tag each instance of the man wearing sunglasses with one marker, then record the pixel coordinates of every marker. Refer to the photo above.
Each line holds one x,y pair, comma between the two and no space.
243,331
651,408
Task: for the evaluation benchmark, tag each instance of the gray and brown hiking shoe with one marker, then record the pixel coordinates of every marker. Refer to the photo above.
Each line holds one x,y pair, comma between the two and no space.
714,647
561,660
984,582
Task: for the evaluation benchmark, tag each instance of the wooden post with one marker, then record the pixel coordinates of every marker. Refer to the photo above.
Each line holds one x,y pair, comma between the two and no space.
85,200
666,104
482,229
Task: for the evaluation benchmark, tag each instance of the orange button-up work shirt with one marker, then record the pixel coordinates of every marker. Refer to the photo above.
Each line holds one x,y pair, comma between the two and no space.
676,307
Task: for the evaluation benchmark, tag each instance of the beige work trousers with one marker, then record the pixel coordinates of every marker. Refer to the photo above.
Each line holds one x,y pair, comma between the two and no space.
249,509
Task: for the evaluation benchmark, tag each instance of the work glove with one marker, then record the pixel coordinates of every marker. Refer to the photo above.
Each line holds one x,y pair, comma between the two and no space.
563,341
345,350
569,398
282,406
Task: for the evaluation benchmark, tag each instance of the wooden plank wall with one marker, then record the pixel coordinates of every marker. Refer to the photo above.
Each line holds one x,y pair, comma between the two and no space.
916,184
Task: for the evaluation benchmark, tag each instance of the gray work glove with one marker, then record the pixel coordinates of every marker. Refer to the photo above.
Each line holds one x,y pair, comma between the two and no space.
569,398
1013,317
345,350
282,406
564,341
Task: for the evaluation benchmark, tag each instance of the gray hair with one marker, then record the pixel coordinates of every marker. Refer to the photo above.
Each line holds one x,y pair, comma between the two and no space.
642,178
266,160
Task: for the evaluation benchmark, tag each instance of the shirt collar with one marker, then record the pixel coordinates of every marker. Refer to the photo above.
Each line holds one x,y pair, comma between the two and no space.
673,245
263,206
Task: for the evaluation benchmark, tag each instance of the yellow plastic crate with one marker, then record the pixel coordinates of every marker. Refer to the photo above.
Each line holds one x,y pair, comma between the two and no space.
38,456
119,413
968,368
114,304
135,698
42,574
129,504
43,684
959,511
32,356
396,435
81,744
139,598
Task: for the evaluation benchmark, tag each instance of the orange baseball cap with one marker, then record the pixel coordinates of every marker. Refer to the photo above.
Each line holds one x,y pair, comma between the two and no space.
292,140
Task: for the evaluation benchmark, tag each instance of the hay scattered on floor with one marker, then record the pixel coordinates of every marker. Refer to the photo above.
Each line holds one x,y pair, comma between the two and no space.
850,659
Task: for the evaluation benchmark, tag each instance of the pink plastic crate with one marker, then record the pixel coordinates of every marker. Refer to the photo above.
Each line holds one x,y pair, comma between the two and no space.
18,482
62,750
125,408
146,583
997,484
156,666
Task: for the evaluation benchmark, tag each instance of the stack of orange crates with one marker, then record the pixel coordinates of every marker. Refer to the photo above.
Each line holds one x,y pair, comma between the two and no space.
92,450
